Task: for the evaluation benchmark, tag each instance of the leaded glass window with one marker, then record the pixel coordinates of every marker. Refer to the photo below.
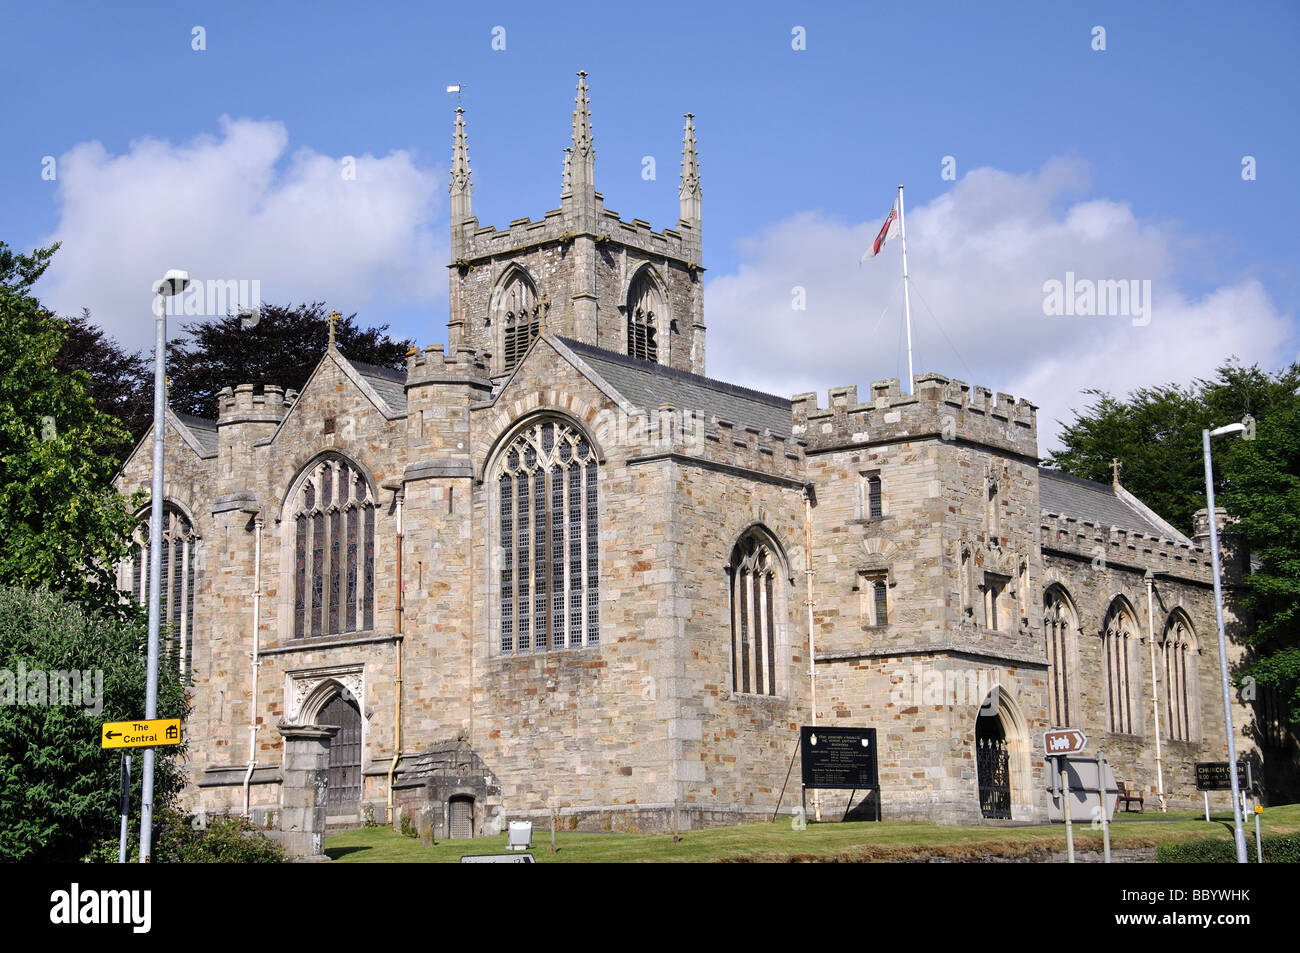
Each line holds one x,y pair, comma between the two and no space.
756,585
333,520
549,578
179,578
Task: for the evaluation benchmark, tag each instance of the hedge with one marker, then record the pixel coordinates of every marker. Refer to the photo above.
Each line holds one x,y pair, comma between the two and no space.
1278,849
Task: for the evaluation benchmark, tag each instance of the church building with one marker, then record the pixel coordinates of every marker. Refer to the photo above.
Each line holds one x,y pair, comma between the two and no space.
555,568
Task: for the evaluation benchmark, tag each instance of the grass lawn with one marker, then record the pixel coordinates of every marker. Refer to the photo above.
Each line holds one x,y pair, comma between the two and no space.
860,841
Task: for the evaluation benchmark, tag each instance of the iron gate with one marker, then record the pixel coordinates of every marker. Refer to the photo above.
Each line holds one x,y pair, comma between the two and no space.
343,795
993,768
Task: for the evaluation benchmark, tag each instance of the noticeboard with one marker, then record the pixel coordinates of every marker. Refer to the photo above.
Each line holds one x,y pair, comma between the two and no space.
839,757
1213,776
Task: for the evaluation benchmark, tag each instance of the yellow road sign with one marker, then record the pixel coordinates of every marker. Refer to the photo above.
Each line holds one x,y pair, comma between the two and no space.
140,734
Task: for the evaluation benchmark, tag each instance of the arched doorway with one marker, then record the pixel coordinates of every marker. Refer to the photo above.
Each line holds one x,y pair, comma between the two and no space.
343,797
461,819
1004,772
993,767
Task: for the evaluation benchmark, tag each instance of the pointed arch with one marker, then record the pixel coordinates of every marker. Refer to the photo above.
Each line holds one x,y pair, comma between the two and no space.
1120,637
328,539
648,318
516,314
1179,672
180,573
1000,724
1060,635
545,480
758,586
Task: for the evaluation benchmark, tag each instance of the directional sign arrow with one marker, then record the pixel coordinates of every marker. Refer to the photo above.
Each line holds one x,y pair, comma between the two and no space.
110,735
1062,741
140,734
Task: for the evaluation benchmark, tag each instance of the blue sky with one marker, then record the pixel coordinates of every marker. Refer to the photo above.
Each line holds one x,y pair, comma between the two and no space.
1125,161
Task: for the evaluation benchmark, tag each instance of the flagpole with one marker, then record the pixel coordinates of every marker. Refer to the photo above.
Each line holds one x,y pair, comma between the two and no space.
907,300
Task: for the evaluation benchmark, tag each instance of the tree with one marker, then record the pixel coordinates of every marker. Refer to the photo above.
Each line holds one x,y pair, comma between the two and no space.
121,382
1156,434
283,347
62,522
1263,494
59,791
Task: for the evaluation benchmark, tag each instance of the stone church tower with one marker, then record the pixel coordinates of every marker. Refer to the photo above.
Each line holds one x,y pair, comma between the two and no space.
580,272
554,568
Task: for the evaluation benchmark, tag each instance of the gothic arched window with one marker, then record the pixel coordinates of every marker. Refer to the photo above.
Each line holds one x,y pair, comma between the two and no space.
521,316
646,315
756,581
549,520
1119,643
179,576
332,518
1059,626
1178,657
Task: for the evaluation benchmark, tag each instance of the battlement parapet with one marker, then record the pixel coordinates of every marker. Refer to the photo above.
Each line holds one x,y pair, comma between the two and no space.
938,407
252,403
670,429
558,226
1091,540
434,365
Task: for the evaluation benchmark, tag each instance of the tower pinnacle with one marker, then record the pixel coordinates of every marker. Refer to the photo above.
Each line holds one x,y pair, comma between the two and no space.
581,178
690,192
461,188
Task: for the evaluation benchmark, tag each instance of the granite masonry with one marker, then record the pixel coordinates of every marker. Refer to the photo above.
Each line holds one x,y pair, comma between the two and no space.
553,568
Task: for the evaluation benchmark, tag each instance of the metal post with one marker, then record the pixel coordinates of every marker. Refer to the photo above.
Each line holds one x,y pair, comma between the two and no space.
1105,816
126,806
1065,804
1207,806
155,568
1239,835
1155,688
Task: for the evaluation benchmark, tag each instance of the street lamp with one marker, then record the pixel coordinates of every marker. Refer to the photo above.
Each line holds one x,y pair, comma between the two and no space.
172,283
1239,833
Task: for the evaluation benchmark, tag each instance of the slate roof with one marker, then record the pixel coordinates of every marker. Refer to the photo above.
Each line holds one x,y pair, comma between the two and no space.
204,431
1085,500
648,385
388,383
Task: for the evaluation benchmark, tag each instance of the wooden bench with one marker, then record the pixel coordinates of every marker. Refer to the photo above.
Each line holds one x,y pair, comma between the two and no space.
1127,795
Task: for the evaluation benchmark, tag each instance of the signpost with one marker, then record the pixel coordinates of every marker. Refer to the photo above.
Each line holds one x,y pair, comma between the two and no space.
1063,741
135,734
140,734
843,758
1213,776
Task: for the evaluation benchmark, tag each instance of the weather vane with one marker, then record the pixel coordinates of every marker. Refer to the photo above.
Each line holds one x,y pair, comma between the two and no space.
456,88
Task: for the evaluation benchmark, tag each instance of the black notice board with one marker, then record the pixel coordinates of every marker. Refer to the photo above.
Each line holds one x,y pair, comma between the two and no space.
1213,776
839,757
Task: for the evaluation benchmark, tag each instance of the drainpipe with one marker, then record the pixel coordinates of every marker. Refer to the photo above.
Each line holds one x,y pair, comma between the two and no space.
1155,688
808,495
398,495
256,661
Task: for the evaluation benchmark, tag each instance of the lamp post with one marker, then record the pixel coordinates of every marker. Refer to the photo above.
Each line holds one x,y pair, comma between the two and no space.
172,283
1239,834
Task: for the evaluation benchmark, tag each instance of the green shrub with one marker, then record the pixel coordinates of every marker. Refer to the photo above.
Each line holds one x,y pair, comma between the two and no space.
1278,849
223,840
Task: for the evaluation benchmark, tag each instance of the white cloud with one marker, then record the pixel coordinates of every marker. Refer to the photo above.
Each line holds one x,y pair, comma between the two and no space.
978,257
240,206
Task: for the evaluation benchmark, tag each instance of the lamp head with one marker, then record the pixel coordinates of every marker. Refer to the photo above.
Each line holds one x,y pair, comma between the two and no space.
172,283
